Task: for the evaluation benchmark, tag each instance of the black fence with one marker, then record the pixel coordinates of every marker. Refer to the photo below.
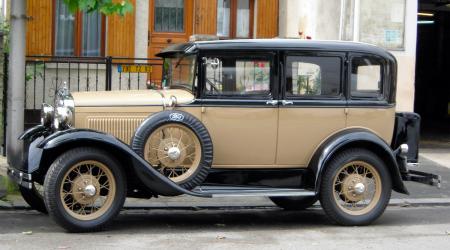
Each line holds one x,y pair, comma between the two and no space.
44,74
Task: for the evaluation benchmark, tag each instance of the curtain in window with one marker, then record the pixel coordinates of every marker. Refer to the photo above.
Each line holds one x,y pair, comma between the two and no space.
64,32
92,34
169,16
243,19
223,18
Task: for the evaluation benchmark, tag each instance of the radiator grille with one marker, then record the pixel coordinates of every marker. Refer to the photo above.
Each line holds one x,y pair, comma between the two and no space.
121,127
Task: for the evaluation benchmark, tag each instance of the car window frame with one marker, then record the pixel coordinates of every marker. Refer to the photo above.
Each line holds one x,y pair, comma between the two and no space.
382,97
271,56
315,98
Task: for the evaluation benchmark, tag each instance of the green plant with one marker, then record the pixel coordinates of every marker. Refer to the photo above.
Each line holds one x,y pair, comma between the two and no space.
32,72
5,29
107,7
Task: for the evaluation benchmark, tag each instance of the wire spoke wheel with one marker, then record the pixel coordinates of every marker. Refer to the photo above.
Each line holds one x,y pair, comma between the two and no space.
88,190
174,150
357,188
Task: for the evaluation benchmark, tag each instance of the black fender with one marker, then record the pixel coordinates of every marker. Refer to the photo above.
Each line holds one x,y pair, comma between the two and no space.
155,181
356,138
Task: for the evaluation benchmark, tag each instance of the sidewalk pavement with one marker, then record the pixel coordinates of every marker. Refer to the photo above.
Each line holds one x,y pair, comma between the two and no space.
434,160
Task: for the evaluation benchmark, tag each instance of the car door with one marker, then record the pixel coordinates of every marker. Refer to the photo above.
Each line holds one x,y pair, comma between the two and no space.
240,108
312,106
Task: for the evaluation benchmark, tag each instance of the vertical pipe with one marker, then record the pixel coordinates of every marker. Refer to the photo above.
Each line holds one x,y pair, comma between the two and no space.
5,96
16,83
356,21
341,20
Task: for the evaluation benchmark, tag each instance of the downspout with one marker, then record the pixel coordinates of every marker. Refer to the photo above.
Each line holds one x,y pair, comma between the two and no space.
16,83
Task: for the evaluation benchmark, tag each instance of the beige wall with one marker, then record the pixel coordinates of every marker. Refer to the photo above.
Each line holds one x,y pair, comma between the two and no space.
141,34
321,20
407,60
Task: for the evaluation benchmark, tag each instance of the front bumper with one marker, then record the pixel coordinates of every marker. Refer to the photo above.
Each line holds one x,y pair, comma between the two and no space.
23,179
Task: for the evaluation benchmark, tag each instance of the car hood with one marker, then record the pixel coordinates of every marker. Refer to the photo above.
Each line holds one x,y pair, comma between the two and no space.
130,97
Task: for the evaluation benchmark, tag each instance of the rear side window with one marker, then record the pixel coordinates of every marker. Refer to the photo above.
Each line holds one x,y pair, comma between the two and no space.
366,77
313,76
234,76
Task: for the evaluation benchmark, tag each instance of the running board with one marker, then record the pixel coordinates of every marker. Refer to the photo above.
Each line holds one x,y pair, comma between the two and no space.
227,191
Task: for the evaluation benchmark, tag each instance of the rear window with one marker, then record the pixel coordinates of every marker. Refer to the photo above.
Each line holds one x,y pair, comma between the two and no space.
366,77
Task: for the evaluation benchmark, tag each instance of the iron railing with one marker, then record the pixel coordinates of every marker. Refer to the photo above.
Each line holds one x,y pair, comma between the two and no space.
45,73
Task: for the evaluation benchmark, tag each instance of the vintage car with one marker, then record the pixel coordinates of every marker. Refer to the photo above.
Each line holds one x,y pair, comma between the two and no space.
295,121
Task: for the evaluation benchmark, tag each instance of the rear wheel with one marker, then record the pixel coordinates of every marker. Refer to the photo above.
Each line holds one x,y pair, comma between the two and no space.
34,197
356,188
294,203
84,189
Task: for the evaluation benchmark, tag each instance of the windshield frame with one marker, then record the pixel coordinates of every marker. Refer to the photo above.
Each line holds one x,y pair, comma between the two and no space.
178,58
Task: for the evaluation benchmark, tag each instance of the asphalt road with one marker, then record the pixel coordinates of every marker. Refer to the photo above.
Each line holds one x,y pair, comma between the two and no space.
253,223
423,227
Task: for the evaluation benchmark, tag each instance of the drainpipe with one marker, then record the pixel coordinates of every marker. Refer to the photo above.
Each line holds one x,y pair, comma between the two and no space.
16,83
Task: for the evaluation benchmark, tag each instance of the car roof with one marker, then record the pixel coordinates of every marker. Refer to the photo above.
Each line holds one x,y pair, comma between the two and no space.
275,44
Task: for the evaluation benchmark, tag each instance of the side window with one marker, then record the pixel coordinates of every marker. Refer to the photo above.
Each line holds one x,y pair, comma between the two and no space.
313,76
366,77
231,76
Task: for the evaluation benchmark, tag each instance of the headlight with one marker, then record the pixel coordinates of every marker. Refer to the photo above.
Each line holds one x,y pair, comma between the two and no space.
63,117
64,109
47,114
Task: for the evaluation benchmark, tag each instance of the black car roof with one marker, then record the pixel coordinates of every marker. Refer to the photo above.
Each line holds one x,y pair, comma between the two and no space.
275,44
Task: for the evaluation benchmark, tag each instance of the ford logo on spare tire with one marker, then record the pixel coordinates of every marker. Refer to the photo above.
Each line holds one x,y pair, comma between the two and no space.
176,117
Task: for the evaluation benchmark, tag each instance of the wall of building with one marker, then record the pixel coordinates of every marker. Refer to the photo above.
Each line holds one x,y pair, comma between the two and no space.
340,20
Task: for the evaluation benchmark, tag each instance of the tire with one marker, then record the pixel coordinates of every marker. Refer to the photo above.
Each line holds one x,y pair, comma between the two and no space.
151,143
341,192
68,189
294,203
33,198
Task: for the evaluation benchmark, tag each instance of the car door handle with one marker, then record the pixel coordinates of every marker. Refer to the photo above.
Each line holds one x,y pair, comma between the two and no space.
284,102
272,102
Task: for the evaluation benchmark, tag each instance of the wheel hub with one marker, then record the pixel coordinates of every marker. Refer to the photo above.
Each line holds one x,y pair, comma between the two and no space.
174,153
354,187
359,188
85,188
90,190
170,152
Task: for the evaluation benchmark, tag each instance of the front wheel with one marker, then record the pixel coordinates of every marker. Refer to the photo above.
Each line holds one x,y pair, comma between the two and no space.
84,189
355,188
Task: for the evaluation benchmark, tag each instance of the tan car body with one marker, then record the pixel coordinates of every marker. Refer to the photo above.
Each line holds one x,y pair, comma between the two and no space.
243,137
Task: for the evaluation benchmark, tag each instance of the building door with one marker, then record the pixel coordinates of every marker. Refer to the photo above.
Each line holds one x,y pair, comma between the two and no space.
170,22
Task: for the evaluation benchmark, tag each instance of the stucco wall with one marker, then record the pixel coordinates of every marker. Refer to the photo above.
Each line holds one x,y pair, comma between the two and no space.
321,20
141,34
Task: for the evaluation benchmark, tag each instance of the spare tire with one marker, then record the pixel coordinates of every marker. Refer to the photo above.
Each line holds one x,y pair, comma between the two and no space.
177,144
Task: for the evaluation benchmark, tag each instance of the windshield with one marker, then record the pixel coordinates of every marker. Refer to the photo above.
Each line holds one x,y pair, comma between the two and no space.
179,72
